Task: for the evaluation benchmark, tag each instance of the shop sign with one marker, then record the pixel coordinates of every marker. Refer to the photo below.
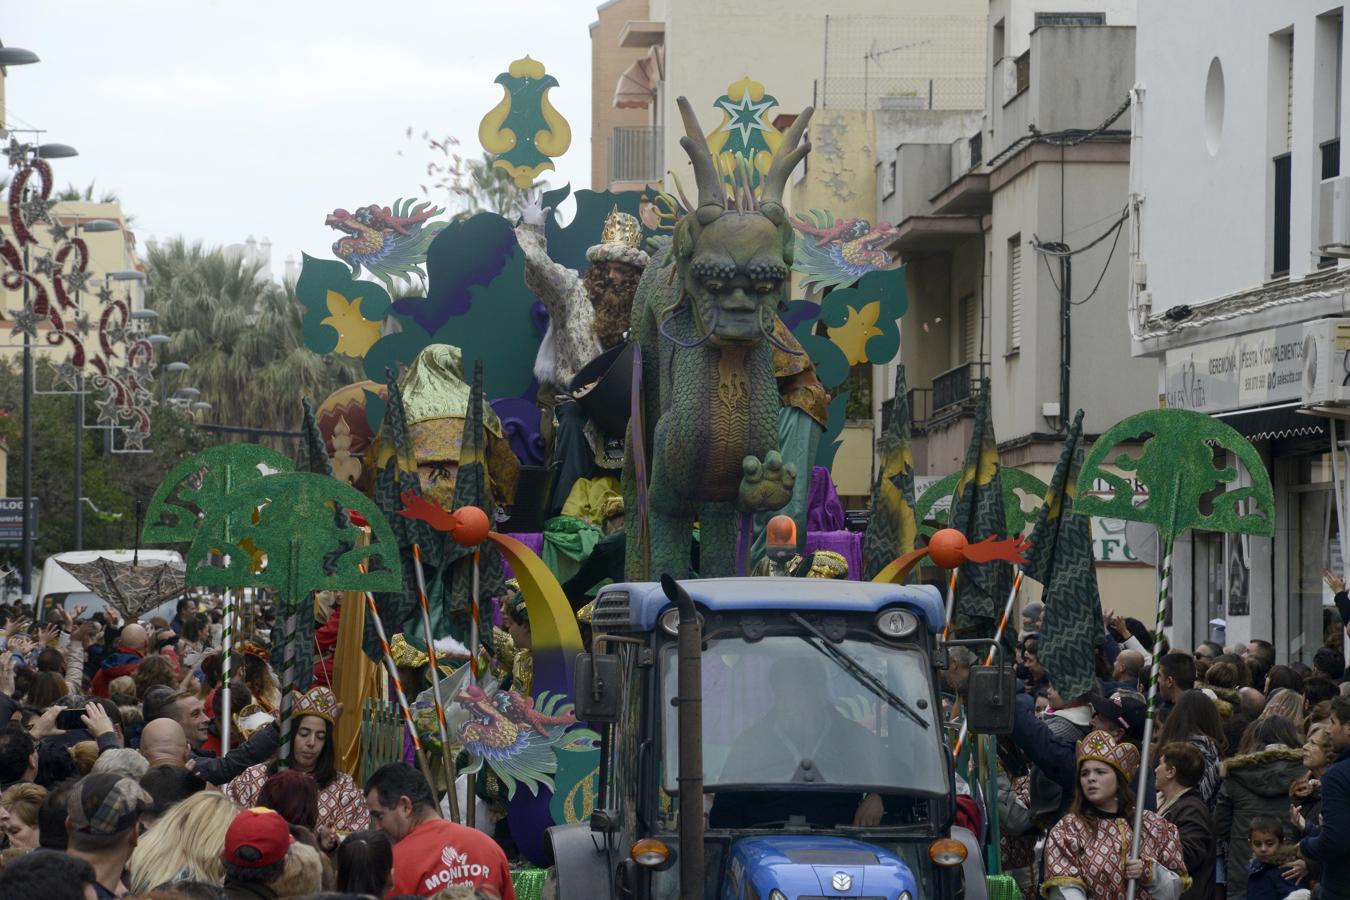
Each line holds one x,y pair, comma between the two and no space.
1246,370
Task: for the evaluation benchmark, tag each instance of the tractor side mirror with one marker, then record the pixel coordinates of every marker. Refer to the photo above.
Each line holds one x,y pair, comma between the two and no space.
989,700
596,684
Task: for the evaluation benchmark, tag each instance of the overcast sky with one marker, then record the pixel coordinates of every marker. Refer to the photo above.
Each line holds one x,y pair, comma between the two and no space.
220,119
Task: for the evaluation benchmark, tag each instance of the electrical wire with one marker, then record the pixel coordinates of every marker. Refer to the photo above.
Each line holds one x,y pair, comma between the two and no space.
1046,253
1069,137
1044,247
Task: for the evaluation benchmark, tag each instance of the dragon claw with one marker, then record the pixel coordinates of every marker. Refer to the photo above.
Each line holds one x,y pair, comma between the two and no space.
765,486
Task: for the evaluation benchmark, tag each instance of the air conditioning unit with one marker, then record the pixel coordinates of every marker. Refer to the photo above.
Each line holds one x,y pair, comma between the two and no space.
1326,375
1333,223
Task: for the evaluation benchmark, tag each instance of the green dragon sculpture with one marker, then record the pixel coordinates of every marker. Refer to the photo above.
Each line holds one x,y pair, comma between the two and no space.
704,315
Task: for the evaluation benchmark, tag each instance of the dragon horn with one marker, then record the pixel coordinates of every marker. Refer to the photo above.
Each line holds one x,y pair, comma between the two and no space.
710,193
790,152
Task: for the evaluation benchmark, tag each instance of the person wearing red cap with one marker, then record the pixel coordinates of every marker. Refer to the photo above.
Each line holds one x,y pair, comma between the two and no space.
256,844
431,854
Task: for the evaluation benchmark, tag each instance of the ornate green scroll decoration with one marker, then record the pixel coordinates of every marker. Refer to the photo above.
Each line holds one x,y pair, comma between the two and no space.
200,483
287,533
524,130
1177,462
1017,486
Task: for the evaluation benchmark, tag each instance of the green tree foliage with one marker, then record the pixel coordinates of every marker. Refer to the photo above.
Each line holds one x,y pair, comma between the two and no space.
242,337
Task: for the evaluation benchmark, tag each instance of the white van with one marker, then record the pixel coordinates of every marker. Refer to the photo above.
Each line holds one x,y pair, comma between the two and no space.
57,586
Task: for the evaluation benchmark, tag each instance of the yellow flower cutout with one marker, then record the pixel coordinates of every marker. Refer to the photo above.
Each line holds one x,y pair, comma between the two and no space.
356,333
853,335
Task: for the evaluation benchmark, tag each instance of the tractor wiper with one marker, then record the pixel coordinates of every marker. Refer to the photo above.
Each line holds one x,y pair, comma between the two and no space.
855,668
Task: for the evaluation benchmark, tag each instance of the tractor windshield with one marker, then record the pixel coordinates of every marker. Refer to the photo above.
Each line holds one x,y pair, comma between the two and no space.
788,711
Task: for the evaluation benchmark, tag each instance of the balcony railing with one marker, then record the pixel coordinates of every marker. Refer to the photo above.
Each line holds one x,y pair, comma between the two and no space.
956,386
636,154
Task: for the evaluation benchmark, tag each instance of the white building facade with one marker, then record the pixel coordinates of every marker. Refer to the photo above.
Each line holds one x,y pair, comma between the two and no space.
1236,143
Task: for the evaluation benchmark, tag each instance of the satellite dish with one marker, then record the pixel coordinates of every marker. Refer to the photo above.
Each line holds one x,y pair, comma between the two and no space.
1142,539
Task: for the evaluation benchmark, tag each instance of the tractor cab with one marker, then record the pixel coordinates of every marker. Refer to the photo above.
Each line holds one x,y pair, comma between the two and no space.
813,736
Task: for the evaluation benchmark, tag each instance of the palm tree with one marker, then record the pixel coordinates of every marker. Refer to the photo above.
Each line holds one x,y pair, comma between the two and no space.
71,192
240,334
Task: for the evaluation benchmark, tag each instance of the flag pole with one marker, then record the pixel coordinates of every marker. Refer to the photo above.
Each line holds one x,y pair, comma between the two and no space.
403,697
951,604
226,648
1164,595
449,758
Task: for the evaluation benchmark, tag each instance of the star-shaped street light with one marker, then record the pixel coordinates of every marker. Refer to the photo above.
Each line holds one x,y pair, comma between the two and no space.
746,115
135,439
17,152
108,410
64,374
76,279
105,295
25,321
60,232
83,326
44,265
36,209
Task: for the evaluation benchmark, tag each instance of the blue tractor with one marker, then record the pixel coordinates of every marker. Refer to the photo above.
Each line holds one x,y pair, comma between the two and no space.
802,716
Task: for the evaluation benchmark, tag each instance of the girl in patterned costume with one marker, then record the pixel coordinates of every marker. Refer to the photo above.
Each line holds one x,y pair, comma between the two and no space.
1085,854
342,805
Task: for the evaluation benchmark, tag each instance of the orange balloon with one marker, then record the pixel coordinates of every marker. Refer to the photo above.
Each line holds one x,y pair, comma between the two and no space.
947,548
781,532
470,527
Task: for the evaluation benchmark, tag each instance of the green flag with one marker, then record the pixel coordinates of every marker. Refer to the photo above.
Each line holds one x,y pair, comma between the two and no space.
1061,559
977,512
314,453
892,528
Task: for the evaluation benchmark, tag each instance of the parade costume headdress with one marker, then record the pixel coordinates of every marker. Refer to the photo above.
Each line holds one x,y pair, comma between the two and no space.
620,241
317,701
254,649
1099,746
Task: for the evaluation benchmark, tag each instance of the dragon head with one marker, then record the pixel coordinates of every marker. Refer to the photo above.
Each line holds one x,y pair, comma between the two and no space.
733,254
344,221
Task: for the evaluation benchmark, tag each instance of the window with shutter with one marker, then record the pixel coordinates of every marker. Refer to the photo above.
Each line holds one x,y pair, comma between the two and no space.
970,328
1014,292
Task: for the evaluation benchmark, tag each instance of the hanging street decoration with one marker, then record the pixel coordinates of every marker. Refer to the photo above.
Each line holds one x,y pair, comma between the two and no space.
115,359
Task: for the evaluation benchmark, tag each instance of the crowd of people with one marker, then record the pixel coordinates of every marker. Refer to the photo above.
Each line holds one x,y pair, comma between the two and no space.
1247,792
112,783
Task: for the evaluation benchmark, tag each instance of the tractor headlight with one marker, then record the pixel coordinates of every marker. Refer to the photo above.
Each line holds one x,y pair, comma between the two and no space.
776,894
904,895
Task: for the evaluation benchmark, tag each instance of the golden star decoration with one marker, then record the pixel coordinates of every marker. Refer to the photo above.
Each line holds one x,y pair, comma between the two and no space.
356,334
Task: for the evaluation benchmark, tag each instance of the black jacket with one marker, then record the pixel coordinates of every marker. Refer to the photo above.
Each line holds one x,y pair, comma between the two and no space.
1330,844
1190,813
259,748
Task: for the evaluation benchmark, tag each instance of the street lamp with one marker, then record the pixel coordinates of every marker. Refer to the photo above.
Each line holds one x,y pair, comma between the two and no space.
158,340
17,56
176,367
95,226
200,406
128,275
56,151
187,393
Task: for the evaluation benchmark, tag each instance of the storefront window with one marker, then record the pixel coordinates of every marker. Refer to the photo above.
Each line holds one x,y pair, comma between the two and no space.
1312,527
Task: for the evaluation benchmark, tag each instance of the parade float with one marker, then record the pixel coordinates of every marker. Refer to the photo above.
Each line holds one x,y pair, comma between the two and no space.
571,440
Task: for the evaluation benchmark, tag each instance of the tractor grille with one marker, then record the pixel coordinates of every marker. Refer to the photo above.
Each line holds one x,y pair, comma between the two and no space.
612,611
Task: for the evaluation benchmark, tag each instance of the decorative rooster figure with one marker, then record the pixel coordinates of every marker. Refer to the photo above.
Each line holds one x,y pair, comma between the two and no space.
835,254
391,243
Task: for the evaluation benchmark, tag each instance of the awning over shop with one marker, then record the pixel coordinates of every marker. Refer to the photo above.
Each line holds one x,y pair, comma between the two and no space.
1278,422
637,84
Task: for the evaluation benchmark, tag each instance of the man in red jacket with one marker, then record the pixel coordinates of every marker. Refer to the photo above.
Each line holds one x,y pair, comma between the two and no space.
131,646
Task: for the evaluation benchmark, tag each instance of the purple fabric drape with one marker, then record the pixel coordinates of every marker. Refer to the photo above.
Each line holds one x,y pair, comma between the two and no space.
824,512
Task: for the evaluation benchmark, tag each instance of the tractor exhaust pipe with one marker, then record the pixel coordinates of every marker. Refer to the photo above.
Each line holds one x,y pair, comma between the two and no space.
690,700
